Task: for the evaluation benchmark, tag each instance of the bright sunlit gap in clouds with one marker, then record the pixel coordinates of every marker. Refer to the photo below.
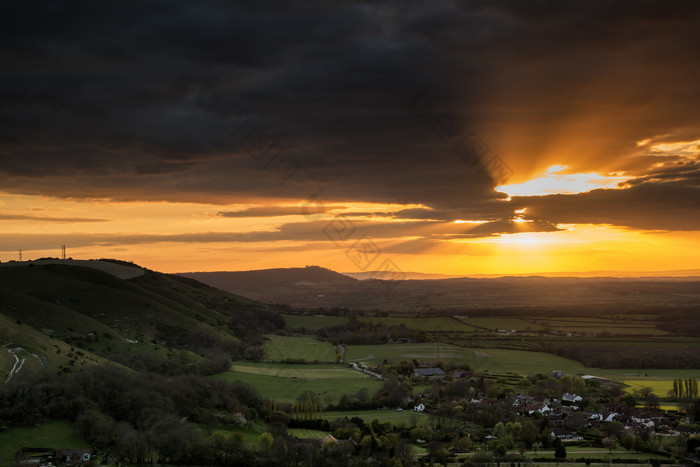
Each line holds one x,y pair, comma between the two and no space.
677,148
554,182
459,221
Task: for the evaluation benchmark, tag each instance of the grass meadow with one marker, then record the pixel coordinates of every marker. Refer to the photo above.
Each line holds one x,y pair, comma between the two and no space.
284,382
437,324
54,434
279,348
634,325
500,361
494,324
305,433
484,359
313,321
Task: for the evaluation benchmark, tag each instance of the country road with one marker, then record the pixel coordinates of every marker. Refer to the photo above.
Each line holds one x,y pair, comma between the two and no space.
364,370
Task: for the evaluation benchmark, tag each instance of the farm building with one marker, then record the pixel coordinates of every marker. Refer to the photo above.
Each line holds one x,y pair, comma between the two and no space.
74,455
50,456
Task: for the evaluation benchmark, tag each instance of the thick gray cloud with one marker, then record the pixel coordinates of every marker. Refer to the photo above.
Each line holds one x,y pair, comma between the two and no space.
402,102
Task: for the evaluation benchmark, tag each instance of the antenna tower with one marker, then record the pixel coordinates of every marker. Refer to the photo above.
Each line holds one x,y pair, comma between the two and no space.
63,252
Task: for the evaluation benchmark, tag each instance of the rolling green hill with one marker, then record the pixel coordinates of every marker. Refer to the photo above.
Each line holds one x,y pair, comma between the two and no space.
64,315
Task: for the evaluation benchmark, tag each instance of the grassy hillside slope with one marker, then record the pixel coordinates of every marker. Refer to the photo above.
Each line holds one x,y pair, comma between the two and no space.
68,315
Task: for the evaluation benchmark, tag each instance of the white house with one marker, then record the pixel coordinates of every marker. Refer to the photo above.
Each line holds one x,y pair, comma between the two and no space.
570,399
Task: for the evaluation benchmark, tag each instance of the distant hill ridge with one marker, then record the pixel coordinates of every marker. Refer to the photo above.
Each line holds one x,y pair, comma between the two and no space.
278,277
691,274
317,287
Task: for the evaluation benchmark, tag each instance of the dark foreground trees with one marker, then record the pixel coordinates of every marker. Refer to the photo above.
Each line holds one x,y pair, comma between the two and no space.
145,418
138,417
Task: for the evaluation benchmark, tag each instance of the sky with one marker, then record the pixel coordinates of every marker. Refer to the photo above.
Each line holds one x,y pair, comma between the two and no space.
455,137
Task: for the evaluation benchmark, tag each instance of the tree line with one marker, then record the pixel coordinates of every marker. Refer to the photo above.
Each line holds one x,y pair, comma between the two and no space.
685,389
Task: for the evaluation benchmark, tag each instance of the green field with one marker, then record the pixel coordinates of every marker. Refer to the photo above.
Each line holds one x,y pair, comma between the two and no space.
439,324
54,434
309,349
597,455
305,433
576,452
494,324
382,415
501,361
595,326
642,325
313,321
285,383
490,360
250,432
375,354
659,377
297,371
660,388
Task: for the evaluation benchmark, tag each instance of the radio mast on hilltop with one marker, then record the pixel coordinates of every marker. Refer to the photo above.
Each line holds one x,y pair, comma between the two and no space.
63,252
20,255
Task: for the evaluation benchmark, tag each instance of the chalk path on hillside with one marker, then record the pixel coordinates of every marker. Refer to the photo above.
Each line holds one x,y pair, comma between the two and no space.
20,360
19,363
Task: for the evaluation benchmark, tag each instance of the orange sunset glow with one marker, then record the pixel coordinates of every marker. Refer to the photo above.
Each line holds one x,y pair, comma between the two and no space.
511,146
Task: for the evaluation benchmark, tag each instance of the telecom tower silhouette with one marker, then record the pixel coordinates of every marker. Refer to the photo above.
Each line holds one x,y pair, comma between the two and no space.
63,252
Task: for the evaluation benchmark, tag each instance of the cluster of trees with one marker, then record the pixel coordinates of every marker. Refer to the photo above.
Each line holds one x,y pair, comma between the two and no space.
685,389
680,322
175,362
147,418
138,417
389,449
358,333
393,393
306,410
610,356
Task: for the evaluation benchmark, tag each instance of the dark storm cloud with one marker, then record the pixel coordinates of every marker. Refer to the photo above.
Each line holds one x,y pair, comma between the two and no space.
124,100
